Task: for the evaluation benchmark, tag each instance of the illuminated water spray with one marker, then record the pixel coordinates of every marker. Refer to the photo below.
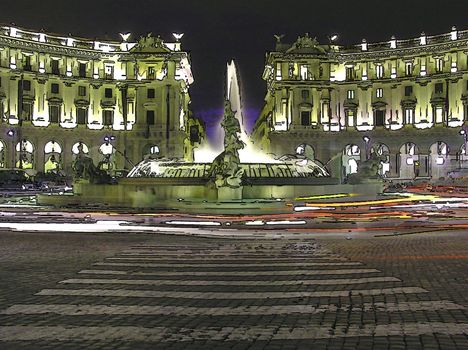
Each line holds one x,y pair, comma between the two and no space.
250,153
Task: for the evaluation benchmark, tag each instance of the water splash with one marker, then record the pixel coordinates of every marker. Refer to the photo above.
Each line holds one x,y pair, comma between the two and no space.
250,153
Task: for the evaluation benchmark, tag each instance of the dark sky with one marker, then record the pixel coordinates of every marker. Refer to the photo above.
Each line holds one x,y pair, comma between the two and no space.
219,30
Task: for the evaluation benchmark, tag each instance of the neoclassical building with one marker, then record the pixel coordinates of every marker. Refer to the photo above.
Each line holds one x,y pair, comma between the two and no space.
405,100
117,101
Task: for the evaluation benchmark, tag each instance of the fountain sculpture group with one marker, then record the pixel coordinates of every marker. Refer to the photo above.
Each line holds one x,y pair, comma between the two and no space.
165,183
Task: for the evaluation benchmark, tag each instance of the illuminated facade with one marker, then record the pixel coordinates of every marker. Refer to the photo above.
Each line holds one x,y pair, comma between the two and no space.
405,100
117,101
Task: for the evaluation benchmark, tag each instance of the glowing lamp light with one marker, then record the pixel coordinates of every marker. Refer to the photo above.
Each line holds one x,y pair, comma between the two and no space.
42,37
11,133
333,37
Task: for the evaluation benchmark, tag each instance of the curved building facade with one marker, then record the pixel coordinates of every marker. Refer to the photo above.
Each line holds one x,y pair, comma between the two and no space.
405,100
117,101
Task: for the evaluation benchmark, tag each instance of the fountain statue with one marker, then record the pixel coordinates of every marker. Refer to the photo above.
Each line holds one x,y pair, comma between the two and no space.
226,168
240,178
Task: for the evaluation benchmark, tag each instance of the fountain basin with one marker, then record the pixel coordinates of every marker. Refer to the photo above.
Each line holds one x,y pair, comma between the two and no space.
200,195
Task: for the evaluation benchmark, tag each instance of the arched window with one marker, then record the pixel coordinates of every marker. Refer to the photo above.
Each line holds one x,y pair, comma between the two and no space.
52,147
25,146
76,148
352,150
25,154
106,148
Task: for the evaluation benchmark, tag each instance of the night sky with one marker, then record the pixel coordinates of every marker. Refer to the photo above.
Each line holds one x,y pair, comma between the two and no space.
218,30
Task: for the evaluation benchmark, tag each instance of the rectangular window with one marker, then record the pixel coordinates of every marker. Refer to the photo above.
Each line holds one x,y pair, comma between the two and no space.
82,116
82,70
439,65
439,88
350,94
379,93
439,115
27,111
54,88
379,118
81,90
349,73
409,68
305,118
194,133
151,73
26,85
379,71
108,93
150,117
54,114
304,72
325,110
409,116
27,63
305,95
408,90
350,117
108,117
150,93
278,71
54,65
109,71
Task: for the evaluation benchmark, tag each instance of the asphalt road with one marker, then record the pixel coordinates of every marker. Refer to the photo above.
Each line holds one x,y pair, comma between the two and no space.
304,291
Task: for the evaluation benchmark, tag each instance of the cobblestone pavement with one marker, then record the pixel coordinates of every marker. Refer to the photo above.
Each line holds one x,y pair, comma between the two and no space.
117,291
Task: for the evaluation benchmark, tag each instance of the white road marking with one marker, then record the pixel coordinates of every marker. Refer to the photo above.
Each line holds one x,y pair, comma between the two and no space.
207,257
234,273
77,310
131,333
352,263
225,295
327,282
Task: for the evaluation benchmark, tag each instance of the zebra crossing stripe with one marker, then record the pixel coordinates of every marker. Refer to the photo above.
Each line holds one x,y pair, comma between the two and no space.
233,273
207,257
227,265
164,334
226,295
318,282
80,310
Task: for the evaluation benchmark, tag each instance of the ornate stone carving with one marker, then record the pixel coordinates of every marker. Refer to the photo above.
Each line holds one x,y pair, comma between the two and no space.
306,44
149,43
84,169
226,166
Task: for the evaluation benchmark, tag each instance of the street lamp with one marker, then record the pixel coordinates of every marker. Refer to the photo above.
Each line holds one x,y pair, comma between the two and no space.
366,143
464,133
11,133
333,37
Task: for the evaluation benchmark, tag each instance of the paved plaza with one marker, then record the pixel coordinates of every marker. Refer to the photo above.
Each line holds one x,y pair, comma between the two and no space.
156,291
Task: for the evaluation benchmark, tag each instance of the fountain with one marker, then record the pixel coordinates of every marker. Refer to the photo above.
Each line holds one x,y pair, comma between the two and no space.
239,179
